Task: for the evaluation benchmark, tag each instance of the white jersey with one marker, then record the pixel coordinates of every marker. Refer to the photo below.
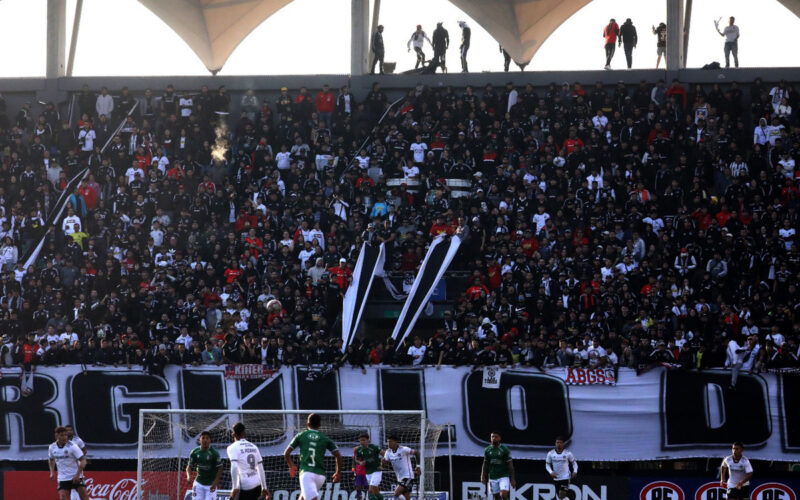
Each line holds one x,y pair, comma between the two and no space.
401,461
737,471
247,465
563,464
66,458
418,149
78,442
69,223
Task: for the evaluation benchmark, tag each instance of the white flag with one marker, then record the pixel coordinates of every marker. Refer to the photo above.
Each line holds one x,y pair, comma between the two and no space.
491,377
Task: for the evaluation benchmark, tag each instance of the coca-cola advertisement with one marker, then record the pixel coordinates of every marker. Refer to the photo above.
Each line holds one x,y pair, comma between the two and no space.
100,485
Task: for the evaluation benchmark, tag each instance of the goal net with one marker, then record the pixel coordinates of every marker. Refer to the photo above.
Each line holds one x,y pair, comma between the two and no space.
166,437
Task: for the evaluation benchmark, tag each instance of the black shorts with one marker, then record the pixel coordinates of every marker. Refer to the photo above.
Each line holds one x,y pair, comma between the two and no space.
562,484
69,485
742,493
406,483
253,494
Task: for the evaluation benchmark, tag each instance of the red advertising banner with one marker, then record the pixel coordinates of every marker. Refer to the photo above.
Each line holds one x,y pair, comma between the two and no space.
100,485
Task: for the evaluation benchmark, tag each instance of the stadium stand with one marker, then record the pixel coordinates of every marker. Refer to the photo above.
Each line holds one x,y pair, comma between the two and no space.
624,225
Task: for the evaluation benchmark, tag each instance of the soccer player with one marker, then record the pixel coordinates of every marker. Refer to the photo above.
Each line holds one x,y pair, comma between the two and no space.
400,458
562,467
247,467
312,444
739,472
368,456
498,469
73,495
68,458
207,464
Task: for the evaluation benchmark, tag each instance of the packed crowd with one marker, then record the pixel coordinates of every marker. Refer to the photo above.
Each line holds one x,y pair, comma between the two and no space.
604,226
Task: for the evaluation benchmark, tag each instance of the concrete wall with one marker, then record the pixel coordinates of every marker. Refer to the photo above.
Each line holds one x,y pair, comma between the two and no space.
18,90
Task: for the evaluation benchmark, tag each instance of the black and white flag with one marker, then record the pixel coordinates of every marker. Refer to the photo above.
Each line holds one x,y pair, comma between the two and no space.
438,259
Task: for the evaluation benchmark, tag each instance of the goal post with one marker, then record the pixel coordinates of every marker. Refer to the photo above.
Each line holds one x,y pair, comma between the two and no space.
166,437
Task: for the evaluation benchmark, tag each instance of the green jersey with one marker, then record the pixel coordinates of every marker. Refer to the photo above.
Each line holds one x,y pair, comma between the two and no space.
371,456
312,444
206,463
497,458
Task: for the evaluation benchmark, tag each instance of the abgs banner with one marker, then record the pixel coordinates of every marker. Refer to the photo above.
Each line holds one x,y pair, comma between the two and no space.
662,414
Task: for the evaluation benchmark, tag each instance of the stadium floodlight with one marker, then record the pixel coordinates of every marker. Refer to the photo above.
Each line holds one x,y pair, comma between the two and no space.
166,438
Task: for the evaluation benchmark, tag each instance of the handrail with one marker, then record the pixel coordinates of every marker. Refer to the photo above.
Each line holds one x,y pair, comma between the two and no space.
369,137
71,111
119,127
58,208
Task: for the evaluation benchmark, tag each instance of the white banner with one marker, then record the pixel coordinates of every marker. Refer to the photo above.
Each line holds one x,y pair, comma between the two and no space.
491,377
661,413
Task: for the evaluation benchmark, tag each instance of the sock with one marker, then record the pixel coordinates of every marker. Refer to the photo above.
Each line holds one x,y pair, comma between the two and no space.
375,496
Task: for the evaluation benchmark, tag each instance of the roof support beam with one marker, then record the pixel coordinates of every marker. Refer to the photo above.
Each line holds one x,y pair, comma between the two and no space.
687,24
359,37
675,59
73,44
56,38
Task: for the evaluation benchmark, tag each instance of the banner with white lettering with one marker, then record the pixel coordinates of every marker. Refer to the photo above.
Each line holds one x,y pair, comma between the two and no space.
661,413
247,372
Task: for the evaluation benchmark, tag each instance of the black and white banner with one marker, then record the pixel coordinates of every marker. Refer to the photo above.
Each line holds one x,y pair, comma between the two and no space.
662,413
370,264
440,255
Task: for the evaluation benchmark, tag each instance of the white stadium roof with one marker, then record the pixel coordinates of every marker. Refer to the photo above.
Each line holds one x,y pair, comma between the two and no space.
214,28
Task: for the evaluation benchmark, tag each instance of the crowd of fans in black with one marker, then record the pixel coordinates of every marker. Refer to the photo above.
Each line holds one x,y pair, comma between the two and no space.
604,226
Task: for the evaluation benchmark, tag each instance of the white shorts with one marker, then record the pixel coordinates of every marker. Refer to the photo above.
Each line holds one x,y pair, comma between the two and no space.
374,479
202,492
498,485
311,484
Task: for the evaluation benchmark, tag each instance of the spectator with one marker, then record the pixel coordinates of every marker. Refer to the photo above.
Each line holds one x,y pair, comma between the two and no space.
249,105
441,42
585,220
627,36
661,43
418,39
416,351
610,34
86,138
377,50
777,93
731,35
105,103
325,103
466,35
